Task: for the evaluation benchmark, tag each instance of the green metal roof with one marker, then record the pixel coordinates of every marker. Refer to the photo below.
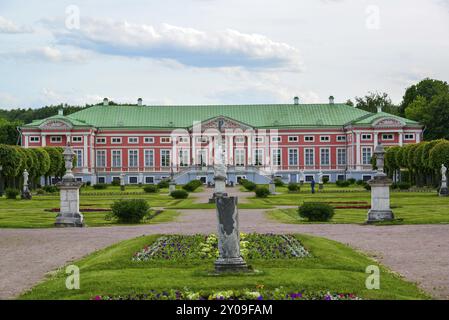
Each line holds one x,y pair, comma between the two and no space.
74,121
258,116
370,118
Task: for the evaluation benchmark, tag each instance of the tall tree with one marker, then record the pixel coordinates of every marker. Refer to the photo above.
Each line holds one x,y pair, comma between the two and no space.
373,100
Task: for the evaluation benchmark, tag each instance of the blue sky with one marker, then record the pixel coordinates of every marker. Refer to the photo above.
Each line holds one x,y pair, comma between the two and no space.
217,51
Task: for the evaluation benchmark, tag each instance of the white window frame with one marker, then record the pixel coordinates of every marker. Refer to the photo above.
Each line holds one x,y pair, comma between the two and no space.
412,136
133,140
102,151
79,158
289,157
255,157
325,138
366,161
307,155
385,136
345,152
238,156
183,154
367,137
309,138
258,139
148,140
100,140
116,140
165,140
276,157
113,165
56,139
292,138
341,138
136,151
328,156
146,177
240,139
129,180
201,154
164,153
35,139
77,139
276,139
183,139
148,154
202,139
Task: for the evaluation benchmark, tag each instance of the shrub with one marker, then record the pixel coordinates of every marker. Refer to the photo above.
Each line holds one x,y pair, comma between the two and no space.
192,185
367,186
151,188
250,186
325,180
11,193
342,183
403,185
278,182
316,211
130,211
88,183
115,183
163,184
50,189
179,194
293,187
40,191
262,192
351,180
360,182
100,186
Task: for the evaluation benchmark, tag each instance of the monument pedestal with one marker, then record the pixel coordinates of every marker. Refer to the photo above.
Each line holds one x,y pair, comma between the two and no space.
171,186
26,194
380,199
69,215
444,191
229,259
272,187
320,186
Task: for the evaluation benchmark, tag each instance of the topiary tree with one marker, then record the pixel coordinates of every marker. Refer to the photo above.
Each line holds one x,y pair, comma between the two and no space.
11,160
56,159
439,155
43,163
418,164
391,164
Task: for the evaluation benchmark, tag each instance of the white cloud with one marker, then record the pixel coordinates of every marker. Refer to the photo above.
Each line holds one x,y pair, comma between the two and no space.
48,54
187,46
7,26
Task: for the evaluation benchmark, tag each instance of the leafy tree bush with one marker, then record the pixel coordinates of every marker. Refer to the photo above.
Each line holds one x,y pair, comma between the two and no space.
50,189
403,185
130,211
293,187
40,191
151,188
115,183
278,182
360,182
163,184
192,185
11,160
351,180
56,161
342,183
249,185
262,192
179,194
100,186
11,193
316,211
439,155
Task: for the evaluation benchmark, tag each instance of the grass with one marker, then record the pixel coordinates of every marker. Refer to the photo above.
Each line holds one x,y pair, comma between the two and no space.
408,207
333,266
32,214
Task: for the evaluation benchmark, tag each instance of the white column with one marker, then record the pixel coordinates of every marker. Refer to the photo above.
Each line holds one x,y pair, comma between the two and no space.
357,159
231,150
418,137
376,138
401,139
25,142
44,140
85,156
92,154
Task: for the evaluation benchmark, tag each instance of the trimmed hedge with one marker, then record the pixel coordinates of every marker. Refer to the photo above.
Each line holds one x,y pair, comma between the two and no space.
262,192
130,211
100,186
115,183
343,183
316,211
192,185
248,185
151,188
163,184
179,194
11,193
50,189
278,182
293,187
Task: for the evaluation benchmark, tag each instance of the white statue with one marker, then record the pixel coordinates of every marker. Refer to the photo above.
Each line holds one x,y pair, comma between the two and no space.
320,177
25,177
443,173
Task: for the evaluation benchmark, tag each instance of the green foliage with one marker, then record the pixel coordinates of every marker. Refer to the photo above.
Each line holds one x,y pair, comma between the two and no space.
8,132
43,163
427,89
50,189
115,182
316,211
403,185
359,182
248,185
325,180
192,185
151,188
372,100
278,182
130,211
163,184
426,153
439,155
418,155
11,193
391,158
343,183
100,186
179,194
262,192
28,115
11,160
56,160
293,187
351,180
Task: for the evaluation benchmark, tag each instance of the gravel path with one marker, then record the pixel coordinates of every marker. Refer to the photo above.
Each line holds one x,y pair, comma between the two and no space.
418,252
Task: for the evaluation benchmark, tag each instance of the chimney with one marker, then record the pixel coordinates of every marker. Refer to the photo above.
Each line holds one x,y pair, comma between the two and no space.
379,109
296,100
139,102
60,111
331,100
105,101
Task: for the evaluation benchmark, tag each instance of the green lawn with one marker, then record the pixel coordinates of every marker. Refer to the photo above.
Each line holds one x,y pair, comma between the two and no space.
333,267
408,207
32,214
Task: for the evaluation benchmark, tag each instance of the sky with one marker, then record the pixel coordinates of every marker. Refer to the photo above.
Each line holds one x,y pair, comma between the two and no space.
217,51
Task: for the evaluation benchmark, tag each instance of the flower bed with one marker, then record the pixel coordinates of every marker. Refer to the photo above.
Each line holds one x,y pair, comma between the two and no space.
253,246
259,293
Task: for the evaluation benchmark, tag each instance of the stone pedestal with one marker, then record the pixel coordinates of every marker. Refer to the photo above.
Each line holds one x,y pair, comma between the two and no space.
320,186
122,182
69,215
171,186
220,185
229,259
272,187
380,199
444,191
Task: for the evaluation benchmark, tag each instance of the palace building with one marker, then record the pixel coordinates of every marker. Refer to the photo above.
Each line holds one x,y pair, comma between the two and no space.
146,144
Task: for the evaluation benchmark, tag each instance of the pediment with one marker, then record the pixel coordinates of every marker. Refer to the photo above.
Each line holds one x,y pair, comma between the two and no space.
56,124
225,123
387,122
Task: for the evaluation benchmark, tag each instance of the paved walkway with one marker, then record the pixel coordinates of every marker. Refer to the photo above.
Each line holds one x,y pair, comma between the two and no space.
418,252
